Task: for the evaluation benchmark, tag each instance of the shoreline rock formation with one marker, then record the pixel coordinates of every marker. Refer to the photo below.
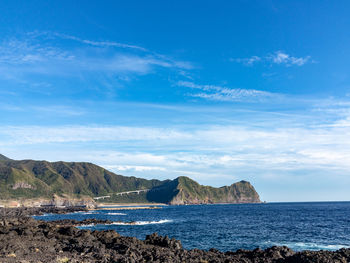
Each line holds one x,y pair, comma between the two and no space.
23,239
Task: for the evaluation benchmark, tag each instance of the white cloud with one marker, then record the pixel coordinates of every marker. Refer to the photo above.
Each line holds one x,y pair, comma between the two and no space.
95,43
134,168
58,110
65,134
247,61
197,149
278,57
261,150
21,52
219,93
44,54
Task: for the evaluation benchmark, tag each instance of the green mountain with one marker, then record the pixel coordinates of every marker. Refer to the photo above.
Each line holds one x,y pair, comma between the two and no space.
33,179
184,190
42,179
4,158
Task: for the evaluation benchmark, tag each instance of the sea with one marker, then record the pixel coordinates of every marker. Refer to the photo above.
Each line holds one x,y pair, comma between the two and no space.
228,227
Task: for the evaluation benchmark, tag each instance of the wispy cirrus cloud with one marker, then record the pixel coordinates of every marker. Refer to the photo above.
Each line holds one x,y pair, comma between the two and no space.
135,168
254,146
54,54
279,58
95,43
44,110
58,110
220,149
66,134
220,93
247,61
17,52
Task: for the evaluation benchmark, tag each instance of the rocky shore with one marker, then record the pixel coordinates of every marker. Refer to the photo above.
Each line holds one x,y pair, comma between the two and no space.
8,213
23,239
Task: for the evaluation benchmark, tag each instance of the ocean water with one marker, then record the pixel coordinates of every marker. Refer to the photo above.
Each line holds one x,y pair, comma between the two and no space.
300,226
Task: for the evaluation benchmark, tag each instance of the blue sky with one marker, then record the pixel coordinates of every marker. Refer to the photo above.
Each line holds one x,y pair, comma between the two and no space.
219,91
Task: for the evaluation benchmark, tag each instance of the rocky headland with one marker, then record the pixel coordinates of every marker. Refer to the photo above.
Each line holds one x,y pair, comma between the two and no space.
184,190
23,239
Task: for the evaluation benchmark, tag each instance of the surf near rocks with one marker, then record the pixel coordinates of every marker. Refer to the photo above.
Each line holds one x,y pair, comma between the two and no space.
23,239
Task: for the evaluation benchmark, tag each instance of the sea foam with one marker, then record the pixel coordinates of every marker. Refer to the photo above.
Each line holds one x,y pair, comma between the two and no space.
135,223
116,214
142,223
86,226
306,245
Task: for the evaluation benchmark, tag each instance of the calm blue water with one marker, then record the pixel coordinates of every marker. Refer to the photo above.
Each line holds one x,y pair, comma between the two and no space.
229,227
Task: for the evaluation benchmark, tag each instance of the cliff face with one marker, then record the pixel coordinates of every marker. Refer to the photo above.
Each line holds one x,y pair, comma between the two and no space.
184,190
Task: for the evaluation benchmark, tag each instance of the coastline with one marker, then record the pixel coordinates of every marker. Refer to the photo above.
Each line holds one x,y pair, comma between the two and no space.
127,206
24,239
99,205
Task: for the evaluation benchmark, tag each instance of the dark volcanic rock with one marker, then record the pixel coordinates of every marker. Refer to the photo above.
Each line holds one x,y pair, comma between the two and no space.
71,222
161,241
23,239
31,211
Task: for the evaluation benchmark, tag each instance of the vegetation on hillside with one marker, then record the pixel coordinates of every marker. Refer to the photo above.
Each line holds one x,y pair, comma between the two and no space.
42,179
184,190
31,179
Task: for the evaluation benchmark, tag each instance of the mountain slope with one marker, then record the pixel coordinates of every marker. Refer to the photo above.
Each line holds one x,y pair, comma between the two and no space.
4,158
42,179
184,190
31,179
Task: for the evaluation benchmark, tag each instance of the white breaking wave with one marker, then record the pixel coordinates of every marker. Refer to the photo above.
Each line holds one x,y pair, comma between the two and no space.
97,212
141,223
116,214
136,223
46,214
82,213
89,225
307,246
73,213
